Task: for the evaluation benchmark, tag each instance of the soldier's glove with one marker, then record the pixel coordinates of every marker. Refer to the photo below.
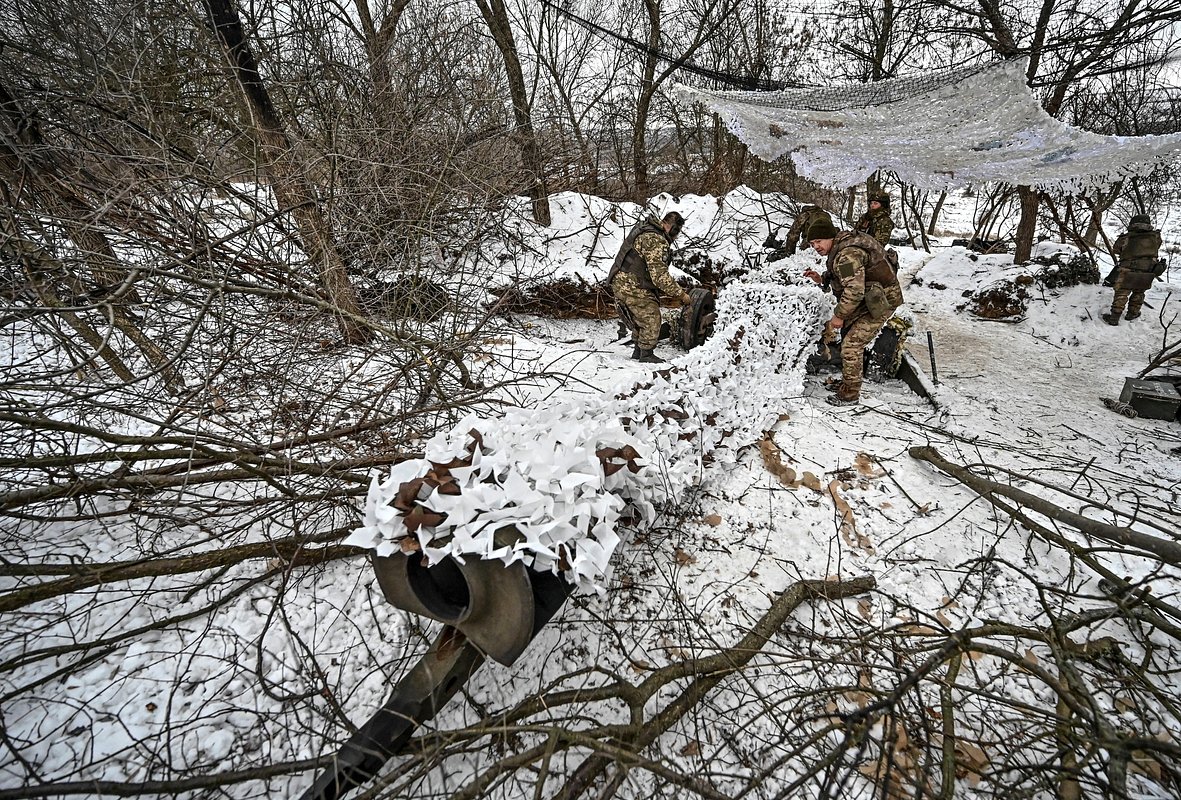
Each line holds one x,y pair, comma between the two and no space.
772,243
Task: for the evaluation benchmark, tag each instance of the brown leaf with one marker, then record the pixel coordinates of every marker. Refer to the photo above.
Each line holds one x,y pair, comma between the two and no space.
865,608
639,665
865,465
812,482
712,519
683,558
849,532
691,749
774,464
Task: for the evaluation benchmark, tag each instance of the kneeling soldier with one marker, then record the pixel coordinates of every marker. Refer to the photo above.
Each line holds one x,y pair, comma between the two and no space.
639,274
863,279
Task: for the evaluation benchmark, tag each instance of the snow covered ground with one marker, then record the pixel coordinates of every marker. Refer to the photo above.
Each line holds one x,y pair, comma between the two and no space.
230,690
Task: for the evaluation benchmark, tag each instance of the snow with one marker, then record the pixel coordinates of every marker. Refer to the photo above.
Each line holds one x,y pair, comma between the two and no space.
233,688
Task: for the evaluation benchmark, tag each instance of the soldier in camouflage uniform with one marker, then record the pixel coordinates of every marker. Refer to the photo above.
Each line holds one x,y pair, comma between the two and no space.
797,234
862,276
1138,267
876,222
640,273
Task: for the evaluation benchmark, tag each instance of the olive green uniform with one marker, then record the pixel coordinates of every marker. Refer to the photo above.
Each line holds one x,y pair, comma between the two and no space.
877,224
639,274
1138,267
862,277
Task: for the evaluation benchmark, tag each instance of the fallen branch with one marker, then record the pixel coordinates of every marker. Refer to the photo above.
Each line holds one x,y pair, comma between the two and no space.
1167,551
293,550
710,671
158,788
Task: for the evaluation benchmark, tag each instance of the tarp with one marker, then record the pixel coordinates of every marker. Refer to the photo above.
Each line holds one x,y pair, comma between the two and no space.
934,131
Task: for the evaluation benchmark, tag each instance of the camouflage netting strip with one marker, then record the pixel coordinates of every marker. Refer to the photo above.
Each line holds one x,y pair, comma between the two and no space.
564,475
937,131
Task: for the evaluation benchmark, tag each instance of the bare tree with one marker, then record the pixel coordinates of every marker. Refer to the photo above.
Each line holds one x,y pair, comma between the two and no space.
1069,44
496,16
288,181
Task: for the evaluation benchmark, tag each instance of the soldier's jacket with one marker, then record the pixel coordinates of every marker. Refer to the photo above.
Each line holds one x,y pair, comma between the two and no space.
857,259
1137,253
877,224
797,234
644,257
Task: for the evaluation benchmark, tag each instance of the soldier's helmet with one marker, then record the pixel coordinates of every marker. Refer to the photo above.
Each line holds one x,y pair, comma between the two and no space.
881,197
1142,219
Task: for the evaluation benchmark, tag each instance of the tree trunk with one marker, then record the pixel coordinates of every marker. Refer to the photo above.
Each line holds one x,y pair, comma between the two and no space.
288,181
496,16
644,105
1098,207
935,213
1027,227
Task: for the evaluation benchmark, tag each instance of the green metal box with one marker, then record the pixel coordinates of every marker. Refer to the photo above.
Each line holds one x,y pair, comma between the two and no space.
1151,399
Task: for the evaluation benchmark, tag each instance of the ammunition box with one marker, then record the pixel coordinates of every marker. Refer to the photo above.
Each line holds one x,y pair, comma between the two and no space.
1151,399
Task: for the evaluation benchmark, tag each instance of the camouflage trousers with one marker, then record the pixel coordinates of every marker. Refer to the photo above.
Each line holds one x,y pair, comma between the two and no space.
640,305
859,331
1129,298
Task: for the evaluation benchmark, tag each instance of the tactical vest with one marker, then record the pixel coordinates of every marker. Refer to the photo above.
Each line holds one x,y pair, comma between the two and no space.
1141,248
879,270
627,260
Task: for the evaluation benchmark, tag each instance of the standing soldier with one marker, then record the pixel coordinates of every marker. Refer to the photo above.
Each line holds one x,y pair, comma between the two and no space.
876,222
639,274
863,279
797,234
1137,268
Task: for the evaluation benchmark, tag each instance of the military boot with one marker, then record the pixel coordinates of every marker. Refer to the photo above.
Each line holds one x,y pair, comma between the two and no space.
1110,318
646,356
847,393
1132,315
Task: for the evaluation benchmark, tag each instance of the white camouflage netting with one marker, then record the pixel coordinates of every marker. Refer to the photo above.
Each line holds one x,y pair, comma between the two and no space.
935,131
538,469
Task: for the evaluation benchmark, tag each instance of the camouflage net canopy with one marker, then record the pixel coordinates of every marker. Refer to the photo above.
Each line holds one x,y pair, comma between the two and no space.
939,130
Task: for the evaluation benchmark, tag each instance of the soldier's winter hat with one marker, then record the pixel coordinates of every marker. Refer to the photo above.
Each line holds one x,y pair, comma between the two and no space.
1142,218
822,229
881,197
676,222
